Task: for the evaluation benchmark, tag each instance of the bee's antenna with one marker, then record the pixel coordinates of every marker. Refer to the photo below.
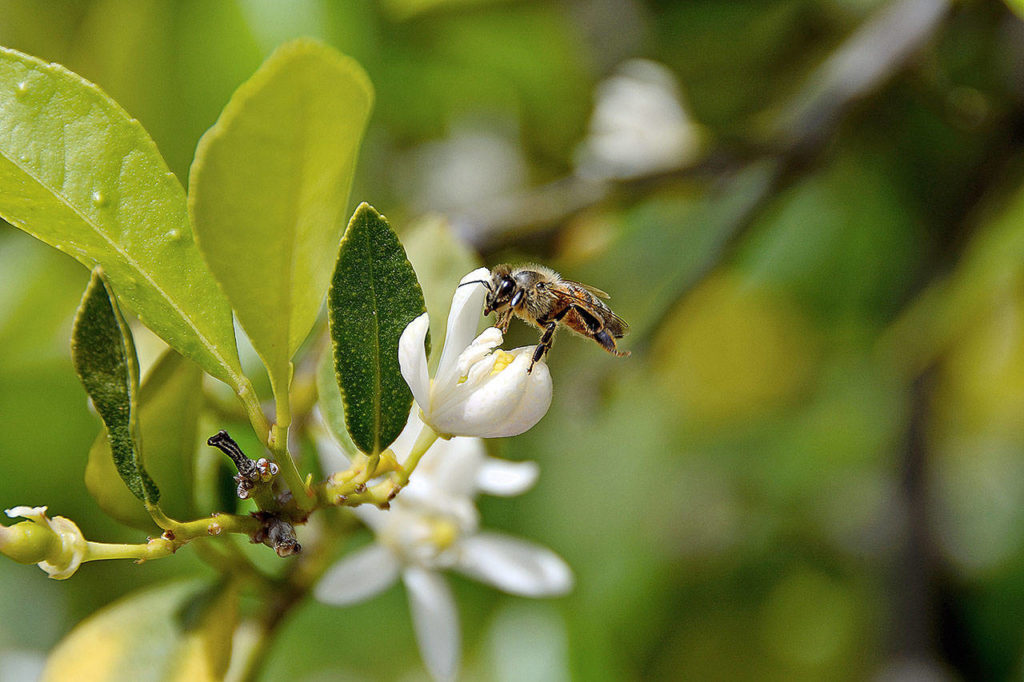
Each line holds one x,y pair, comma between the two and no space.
476,281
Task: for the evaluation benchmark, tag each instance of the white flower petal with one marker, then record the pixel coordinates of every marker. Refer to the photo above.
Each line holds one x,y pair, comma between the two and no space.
33,513
373,517
359,576
505,478
514,566
73,549
435,620
464,318
412,360
452,465
504,404
535,401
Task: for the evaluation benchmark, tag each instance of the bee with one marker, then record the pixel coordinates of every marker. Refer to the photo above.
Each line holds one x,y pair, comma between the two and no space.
540,296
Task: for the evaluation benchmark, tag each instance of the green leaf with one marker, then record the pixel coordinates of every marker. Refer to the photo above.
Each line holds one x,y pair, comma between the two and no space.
440,260
174,632
104,357
169,404
269,192
374,295
80,174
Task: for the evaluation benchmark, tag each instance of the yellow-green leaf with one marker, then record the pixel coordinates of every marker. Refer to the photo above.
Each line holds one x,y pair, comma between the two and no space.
104,356
269,191
169,403
177,632
80,174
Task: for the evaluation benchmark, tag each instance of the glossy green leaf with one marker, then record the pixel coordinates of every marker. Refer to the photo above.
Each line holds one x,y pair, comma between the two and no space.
440,260
170,400
80,174
174,632
269,191
104,357
374,295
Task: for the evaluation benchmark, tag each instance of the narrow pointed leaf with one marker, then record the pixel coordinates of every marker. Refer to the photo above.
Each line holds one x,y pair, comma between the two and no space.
269,192
374,295
170,400
176,632
104,357
80,174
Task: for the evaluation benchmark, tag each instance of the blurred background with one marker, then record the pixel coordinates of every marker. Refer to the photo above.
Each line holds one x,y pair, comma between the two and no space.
810,211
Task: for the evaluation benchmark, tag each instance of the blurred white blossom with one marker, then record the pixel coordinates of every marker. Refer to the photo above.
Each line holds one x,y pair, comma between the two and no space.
639,125
432,526
476,163
476,391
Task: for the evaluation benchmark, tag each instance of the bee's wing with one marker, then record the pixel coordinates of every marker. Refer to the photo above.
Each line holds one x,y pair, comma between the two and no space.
594,290
616,325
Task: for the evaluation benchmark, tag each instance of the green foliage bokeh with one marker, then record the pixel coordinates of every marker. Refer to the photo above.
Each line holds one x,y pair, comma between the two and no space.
740,499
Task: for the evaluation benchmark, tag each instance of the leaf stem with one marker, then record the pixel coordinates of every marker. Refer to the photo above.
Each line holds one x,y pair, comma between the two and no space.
156,548
247,394
278,444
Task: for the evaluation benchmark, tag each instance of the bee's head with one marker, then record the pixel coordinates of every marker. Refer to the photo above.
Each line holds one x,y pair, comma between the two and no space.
499,289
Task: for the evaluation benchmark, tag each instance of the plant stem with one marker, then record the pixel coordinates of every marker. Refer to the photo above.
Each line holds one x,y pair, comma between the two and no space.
301,493
157,548
216,524
423,443
247,394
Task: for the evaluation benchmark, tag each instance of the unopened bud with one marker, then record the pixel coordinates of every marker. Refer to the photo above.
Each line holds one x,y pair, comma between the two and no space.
28,542
56,545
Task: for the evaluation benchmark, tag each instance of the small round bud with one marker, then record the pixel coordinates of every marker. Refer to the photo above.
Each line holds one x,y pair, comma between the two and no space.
28,542
56,545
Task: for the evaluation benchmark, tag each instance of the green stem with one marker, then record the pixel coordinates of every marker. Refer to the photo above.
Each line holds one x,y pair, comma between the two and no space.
216,524
301,493
247,394
349,487
157,548
423,443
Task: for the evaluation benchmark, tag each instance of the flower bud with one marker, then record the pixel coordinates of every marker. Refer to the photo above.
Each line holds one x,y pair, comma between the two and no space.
55,545
28,542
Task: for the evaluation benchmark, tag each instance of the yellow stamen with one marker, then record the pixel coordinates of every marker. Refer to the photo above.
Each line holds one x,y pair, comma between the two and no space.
443,534
502,361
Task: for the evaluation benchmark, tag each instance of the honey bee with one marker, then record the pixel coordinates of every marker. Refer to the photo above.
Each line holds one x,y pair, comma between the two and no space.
540,296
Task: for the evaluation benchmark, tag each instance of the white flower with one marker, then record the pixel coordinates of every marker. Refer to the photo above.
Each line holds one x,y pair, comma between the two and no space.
476,391
64,556
433,525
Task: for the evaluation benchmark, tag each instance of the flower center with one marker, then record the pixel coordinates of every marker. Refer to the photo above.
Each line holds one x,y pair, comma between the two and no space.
503,360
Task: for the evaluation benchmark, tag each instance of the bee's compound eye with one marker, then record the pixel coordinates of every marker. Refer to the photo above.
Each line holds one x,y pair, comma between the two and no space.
505,287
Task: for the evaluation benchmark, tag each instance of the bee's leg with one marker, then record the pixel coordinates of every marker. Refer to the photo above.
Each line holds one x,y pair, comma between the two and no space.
502,320
544,345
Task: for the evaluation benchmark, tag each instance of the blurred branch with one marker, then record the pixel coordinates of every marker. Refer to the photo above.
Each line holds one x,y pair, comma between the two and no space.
862,65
